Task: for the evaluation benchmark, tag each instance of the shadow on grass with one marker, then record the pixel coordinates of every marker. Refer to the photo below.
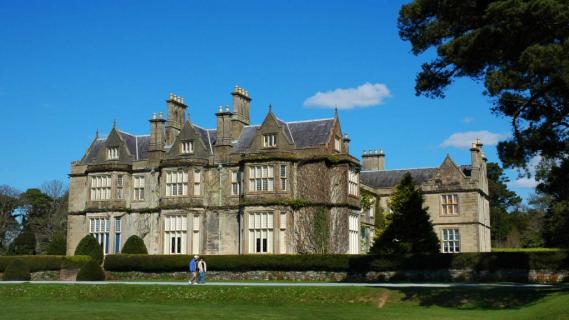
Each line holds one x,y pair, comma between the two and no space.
478,298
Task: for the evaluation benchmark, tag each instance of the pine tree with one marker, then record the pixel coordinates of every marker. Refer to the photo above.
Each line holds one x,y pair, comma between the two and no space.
411,231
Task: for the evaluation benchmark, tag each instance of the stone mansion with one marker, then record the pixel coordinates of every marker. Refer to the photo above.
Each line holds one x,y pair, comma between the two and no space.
243,188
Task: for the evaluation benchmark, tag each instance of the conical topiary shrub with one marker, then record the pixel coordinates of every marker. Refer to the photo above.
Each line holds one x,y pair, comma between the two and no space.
88,246
91,271
17,270
134,245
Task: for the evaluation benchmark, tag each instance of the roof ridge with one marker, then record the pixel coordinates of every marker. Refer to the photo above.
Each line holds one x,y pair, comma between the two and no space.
311,120
404,169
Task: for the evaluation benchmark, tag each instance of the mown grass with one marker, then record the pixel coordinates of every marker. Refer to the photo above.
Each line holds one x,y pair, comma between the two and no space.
115,301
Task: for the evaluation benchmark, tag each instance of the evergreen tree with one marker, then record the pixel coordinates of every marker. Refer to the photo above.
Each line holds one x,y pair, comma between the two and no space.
24,244
502,202
411,230
520,49
88,246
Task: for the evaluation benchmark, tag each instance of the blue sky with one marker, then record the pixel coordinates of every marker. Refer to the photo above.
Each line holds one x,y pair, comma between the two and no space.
68,68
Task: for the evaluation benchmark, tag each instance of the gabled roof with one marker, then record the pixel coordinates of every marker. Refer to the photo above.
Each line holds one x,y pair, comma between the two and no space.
303,134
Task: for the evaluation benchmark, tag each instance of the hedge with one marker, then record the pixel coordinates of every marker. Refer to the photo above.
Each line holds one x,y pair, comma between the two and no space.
353,263
46,263
17,270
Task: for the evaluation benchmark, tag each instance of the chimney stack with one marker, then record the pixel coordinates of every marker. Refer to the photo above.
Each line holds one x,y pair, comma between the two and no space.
176,117
224,132
346,140
241,111
373,161
156,145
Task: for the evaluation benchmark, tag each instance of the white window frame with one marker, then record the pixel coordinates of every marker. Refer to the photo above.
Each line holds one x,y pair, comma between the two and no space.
175,234
353,182
270,140
451,240
354,234
119,184
261,232
261,178
112,153
196,234
176,183
187,147
197,182
118,231
138,187
101,187
235,183
282,232
449,204
100,228
283,173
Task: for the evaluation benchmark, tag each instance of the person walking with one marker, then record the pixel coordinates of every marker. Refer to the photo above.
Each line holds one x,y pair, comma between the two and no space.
202,269
193,268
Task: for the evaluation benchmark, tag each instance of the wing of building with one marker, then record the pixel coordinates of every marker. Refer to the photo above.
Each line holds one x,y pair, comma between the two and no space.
242,188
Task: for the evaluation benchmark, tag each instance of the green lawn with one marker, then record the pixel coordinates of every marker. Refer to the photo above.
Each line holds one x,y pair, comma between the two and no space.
184,302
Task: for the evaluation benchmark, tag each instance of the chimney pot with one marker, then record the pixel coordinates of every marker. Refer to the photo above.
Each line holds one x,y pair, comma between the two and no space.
227,108
375,151
220,109
161,115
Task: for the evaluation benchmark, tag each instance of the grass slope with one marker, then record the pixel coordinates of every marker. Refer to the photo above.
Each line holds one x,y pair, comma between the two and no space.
171,302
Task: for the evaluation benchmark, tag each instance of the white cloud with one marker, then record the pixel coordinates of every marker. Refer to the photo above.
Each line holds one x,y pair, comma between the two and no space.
465,139
365,95
525,182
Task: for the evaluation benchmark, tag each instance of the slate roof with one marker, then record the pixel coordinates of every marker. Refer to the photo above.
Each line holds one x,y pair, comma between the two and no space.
390,178
303,134
310,133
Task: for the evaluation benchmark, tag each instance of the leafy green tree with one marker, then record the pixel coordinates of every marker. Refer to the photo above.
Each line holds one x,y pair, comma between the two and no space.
57,245
502,202
134,245
411,230
45,211
556,224
521,51
24,244
9,203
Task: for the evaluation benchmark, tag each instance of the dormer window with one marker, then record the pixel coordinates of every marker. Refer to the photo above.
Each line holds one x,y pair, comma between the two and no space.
112,153
187,147
338,144
270,140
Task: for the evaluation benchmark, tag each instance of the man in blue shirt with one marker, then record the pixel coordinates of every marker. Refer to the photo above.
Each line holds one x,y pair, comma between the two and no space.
193,269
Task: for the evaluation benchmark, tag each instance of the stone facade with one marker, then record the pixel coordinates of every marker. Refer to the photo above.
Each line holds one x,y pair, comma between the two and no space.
236,189
244,189
456,197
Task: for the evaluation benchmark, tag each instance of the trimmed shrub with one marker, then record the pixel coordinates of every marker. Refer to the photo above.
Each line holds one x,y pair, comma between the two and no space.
24,244
91,271
88,246
17,270
134,245
350,263
57,246
45,263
